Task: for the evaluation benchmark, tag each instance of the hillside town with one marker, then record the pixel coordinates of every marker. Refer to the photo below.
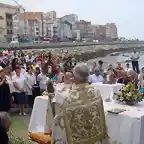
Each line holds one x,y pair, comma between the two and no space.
16,22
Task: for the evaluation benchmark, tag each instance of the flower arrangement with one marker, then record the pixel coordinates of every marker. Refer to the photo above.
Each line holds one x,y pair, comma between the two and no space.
130,94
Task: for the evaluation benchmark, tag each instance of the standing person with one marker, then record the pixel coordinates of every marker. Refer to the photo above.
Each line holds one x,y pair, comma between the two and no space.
111,77
5,62
30,81
42,81
119,70
92,71
68,79
101,67
134,56
141,80
59,75
81,117
127,69
4,92
19,84
61,63
14,63
8,72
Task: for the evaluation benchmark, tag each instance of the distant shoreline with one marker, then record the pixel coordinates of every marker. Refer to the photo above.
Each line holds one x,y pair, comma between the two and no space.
102,53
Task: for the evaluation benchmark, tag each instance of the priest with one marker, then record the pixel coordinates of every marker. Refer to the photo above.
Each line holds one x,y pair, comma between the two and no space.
81,119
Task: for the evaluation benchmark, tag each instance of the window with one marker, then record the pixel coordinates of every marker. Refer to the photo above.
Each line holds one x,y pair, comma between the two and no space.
10,23
16,17
37,33
7,31
37,29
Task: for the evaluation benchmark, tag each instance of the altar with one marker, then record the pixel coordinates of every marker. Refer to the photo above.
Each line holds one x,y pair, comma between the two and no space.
107,90
126,127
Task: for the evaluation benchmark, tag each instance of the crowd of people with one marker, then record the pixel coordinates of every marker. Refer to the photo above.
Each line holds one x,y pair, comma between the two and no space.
24,76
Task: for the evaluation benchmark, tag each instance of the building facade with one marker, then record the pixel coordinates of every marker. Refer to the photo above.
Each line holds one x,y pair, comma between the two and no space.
16,24
32,25
52,15
71,18
111,31
85,29
60,29
99,32
6,21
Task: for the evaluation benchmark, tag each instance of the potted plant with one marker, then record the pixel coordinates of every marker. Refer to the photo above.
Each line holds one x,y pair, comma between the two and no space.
130,95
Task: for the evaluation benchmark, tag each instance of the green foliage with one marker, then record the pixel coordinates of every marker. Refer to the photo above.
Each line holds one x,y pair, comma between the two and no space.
18,140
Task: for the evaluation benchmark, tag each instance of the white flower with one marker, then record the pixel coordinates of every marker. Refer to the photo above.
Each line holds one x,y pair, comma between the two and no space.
129,94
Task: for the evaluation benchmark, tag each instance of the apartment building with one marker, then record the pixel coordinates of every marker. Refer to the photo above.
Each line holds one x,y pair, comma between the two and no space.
71,18
111,31
6,21
33,24
99,32
52,15
85,29
16,24
60,29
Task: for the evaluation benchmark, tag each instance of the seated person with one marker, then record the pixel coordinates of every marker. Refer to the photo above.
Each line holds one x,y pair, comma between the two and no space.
124,78
96,77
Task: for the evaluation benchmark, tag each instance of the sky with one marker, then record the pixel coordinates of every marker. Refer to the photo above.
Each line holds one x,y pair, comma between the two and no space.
127,14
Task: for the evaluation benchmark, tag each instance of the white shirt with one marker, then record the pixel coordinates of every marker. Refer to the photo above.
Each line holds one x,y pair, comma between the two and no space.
128,69
95,79
134,56
20,81
10,83
30,81
22,72
42,79
30,59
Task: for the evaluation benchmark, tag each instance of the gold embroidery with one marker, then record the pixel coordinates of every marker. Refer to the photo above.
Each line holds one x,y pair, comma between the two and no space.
84,119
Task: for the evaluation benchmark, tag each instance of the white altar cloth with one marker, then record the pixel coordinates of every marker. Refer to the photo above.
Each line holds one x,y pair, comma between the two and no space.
38,116
107,90
126,127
